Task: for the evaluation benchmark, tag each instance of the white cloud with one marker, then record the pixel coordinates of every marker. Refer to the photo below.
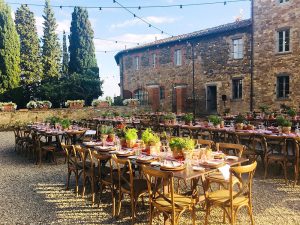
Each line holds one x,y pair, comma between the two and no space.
13,15
102,45
149,19
39,25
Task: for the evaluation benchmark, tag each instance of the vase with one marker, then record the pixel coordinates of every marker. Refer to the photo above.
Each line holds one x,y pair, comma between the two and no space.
286,130
177,153
130,143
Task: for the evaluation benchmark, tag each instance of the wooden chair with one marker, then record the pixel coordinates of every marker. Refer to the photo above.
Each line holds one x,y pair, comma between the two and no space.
206,143
231,201
295,159
106,178
275,151
73,165
162,198
134,187
217,177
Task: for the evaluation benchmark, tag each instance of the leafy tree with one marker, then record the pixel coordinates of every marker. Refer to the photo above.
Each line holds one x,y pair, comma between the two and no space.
65,59
81,48
51,52
31,67
9,50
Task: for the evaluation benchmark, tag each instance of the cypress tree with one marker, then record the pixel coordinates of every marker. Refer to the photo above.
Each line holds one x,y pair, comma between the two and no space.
65,59
81,48
9,50
51,52
31,67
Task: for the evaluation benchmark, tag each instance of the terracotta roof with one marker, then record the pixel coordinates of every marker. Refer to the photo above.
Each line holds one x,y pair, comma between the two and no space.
201,33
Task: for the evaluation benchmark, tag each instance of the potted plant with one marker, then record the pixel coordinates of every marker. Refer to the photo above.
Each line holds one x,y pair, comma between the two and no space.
285,124
31,105
65,123
181,147
100,103
44,104
292,113
74,104
131,137
131,102
169,118
188,119
226,111
8,106
152,141
216,120
240,120
263,111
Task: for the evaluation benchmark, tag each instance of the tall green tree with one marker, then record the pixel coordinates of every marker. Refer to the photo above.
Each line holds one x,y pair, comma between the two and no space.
51,52
31,67
9,50
65,59
83,69
81,48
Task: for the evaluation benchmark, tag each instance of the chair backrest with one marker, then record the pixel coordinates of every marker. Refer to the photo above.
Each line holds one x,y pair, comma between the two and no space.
274,144
227,147
245,175
205,143
124,169
158,181
100,158
80,154
70,153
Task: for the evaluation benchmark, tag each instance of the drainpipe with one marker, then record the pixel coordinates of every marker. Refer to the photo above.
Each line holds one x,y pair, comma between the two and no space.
252,57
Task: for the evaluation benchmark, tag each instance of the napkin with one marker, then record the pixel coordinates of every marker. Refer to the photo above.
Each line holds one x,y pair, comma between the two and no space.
225,171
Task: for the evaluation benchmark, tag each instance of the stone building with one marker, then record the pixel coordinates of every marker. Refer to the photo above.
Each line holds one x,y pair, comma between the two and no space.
276,45
161,73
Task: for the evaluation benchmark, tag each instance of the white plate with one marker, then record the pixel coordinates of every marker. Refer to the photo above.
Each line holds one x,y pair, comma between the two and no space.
146,158
198,168
155,163
171,164
231,157
132,157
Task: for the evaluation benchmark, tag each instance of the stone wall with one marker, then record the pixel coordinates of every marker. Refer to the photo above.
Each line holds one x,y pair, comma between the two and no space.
214,65
9,119
269,17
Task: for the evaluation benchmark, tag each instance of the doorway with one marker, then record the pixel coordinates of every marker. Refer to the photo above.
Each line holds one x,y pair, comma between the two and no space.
211,99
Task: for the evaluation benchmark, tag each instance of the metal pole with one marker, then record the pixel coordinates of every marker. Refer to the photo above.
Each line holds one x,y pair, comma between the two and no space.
193,60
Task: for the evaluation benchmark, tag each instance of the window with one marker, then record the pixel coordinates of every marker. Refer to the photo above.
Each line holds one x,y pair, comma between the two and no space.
137,62
153,60
238,48
283,37
142,96
177,57
162,93
283,86
283,1
237,89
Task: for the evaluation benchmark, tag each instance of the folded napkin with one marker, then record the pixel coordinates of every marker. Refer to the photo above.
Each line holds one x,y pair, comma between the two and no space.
225,171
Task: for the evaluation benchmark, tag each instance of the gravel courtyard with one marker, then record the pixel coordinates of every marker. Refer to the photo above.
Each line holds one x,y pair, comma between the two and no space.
36,195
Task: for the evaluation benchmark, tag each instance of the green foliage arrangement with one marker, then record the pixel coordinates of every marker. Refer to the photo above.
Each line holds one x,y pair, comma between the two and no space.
281,121
53,120
182,143
70,102
169,116
65,123
240,119
131,134
106,129
97,102
3,104
148,137
188,117
264,108
216,120
292,112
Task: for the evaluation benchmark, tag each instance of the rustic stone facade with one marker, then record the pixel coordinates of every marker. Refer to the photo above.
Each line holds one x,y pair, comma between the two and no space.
269,18
213,65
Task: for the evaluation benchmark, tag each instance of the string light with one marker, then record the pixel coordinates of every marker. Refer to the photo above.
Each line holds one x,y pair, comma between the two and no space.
135,7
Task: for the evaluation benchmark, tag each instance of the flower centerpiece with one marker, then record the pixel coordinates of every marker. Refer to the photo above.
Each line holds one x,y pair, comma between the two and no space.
44,104
97,103
152,141
284,124
169,118
8,106
188,119
181,147
31,105
74,104
131,137
215,120
131,102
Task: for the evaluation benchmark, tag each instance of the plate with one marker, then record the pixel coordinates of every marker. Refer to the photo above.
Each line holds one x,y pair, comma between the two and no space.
214,163
177,168
155,163
198,168
132,157
145,159
231,157
103,148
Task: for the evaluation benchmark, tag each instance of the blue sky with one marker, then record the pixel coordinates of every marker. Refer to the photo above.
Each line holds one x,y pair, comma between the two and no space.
118,24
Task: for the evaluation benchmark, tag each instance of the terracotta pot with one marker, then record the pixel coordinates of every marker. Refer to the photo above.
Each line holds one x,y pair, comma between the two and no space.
218,126
112,137
189,123
286,130
8,108
130,143
102,105
177,153
239,126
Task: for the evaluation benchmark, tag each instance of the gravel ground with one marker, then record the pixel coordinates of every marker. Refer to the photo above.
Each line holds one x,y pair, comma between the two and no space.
36,195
